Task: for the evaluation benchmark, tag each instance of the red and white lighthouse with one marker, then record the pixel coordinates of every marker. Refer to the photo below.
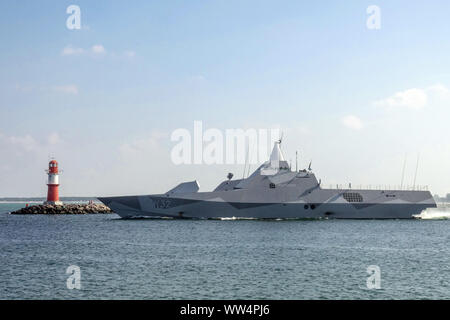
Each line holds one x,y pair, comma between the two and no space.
53,183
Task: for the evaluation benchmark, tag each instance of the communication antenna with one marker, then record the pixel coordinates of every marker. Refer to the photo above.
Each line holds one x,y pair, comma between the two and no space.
246,160
309,167
403,171
296,161
249,158
415,174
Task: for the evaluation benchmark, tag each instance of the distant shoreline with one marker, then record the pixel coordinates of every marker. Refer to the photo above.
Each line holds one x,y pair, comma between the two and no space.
40,199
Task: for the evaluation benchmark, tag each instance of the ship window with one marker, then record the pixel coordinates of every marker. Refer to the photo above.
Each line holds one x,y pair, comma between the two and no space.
272,185
353,197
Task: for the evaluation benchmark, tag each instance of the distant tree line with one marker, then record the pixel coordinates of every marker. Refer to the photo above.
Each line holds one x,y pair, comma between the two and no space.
437,198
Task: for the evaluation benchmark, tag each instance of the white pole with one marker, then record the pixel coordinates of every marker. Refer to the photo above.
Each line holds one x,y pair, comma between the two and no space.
246,160
403,172
415,174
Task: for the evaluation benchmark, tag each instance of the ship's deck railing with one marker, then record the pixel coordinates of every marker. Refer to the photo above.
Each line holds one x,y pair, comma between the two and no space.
374,187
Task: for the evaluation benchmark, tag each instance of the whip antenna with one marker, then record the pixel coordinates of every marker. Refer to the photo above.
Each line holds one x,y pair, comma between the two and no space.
403,172
246,160
415,174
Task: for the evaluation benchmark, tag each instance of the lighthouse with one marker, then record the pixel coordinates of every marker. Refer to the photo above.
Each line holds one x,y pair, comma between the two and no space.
53,183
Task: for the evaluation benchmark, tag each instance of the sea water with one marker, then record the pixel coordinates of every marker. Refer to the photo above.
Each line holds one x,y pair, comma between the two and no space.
231,259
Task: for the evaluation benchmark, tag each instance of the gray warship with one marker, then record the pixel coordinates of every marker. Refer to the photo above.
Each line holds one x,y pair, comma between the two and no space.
273,191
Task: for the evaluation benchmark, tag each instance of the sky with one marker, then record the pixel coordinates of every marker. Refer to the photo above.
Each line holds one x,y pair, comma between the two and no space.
104,99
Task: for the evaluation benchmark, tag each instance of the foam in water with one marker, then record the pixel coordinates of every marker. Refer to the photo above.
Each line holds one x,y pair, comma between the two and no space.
434,215
237,218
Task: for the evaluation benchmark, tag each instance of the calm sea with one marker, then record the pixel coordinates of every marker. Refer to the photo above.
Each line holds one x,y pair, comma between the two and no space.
203,259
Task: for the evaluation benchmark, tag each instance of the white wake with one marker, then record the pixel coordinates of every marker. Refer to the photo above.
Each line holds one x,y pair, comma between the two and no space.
442,213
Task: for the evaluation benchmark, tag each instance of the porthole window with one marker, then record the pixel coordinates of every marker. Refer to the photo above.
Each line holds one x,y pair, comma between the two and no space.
272,185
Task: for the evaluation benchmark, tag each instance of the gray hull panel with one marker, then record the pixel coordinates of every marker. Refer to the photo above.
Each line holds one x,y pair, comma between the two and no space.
148,206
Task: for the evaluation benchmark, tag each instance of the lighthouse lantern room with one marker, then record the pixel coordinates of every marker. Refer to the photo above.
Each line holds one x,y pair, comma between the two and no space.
53,183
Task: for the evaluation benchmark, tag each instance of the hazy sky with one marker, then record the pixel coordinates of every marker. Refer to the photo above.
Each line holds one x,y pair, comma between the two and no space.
104,100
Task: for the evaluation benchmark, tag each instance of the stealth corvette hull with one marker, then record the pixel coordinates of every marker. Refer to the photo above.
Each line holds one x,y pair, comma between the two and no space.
193,206
274,191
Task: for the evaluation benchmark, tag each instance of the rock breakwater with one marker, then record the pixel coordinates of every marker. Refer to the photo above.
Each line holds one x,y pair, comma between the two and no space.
73,208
